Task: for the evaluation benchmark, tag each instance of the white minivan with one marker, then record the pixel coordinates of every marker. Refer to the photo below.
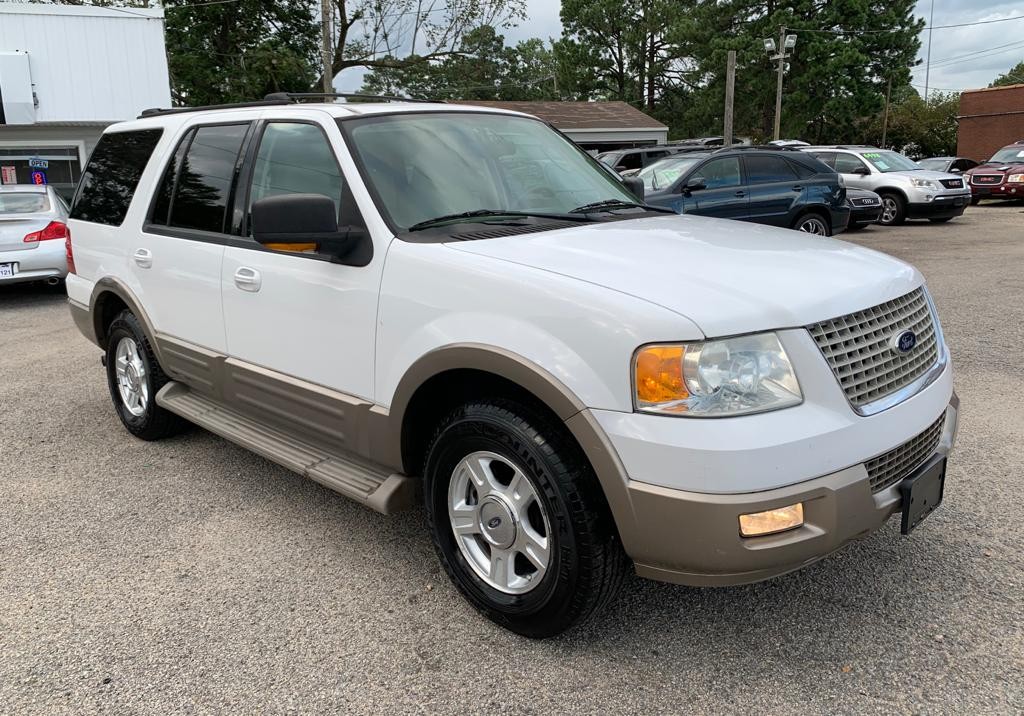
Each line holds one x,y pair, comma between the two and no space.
452,304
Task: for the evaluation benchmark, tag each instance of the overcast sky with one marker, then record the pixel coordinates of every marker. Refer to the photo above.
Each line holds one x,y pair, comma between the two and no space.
961,57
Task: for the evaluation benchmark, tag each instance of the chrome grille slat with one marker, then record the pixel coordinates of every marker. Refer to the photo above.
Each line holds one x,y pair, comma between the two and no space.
856,347
889,468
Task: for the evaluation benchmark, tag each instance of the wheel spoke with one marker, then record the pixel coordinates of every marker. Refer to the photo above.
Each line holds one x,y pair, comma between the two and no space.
481,476
534,548
520,491
501,567
463,518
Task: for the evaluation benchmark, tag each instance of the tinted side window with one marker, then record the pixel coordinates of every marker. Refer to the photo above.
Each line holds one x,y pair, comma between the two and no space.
762,169
652,157
630,161
803,171
108,184
829,158
295,158
720,173
847,163
162,205
204,181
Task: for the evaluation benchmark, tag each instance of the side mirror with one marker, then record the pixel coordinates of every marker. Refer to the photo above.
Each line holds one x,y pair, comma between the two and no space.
635,186
621,168
956,170
300,222
694,184
862,171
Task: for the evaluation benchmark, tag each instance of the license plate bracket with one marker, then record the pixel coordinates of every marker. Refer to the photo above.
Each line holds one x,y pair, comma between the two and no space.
922,492
6,270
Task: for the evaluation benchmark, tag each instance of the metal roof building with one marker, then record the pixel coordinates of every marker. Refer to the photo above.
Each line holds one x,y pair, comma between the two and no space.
66,72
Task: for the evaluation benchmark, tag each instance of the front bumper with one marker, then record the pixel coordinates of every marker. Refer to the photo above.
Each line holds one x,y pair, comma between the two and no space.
941,206
998,191
693,538
47,260
864,215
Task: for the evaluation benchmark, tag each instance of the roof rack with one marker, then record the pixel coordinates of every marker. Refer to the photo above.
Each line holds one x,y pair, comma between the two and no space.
299,96
759,147
155,111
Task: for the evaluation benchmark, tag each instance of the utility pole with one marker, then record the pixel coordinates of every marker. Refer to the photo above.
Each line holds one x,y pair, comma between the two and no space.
730,91
325,39
928,60
778,86
885,119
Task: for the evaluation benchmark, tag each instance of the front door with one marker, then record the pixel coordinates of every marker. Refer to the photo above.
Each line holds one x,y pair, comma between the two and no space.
297,314
723,193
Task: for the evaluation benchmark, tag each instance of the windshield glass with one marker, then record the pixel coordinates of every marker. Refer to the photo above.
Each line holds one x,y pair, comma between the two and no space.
886,161
937,165
423,166
23,202
1008,154
663,174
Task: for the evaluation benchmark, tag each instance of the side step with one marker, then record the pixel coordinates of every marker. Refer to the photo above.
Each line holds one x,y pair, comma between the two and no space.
372,485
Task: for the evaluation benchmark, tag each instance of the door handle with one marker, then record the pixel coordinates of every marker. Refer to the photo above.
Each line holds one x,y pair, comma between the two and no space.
798,187
741,194
143,257
248,279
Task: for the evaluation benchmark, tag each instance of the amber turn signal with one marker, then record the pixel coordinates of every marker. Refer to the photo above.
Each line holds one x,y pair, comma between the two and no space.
659,374
769,522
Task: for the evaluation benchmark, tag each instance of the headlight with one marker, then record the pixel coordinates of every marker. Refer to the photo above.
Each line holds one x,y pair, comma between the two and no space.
1015,178
923,183
732,376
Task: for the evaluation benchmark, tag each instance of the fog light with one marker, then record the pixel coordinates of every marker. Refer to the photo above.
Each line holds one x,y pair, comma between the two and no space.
771,521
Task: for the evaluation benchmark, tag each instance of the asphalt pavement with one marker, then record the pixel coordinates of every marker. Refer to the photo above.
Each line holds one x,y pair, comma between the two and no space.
190,576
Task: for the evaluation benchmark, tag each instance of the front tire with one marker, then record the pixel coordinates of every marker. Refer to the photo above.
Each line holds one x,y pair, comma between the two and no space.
134,376
894,210
519,520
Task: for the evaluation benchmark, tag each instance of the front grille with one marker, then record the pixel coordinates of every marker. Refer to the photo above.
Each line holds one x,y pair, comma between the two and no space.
889,468
866,202
858,347
952,183
986,179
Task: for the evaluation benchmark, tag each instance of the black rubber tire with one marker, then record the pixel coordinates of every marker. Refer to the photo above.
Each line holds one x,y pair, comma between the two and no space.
943,220
155,423
901,209
588,563
975,201
825,223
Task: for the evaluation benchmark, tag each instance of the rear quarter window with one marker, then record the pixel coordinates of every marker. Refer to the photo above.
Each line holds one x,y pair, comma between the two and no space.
112,175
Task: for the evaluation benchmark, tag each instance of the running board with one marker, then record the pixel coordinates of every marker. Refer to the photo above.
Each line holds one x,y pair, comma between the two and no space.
364,482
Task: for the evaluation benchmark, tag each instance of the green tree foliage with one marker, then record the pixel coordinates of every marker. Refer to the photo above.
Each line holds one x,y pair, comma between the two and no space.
917,128
239,51
1014,77
846,53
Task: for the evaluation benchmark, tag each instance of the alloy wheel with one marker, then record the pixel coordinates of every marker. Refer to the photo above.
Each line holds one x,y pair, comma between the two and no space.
130,370
889,210
813,225
500,523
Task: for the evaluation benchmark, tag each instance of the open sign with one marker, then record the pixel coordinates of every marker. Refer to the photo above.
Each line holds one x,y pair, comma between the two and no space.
38,177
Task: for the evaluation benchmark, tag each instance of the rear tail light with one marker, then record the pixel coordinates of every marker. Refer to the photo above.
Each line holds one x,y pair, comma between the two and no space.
69,252
53,230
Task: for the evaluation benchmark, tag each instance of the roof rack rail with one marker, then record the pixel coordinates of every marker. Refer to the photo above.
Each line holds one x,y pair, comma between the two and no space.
298,96
759,147
855,146
157,111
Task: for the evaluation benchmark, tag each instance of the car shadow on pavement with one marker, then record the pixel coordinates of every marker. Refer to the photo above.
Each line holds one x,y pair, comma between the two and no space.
19,295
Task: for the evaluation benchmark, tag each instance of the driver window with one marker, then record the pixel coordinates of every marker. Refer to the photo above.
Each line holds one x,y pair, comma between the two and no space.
295,158
720,173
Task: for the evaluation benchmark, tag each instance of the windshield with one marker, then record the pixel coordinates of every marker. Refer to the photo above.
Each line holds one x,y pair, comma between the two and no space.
23,202
886,161
938,165
663,174
428,165
1008,154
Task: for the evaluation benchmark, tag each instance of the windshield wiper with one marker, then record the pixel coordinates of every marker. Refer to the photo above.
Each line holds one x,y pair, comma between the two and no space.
618,204
479,213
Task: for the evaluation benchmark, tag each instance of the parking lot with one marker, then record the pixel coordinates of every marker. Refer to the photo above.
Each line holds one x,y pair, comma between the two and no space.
193,576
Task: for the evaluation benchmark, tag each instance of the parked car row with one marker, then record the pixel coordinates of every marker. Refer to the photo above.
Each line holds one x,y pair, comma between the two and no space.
1001,177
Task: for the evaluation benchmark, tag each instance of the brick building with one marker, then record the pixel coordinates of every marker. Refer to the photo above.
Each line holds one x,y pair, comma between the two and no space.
989,119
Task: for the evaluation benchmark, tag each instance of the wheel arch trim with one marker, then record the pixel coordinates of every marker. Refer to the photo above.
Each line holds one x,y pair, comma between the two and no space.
112,286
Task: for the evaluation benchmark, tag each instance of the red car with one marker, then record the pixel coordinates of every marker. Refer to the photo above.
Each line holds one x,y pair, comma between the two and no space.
1001,177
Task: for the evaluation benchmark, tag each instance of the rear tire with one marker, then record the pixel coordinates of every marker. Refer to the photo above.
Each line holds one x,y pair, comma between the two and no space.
519,520
134,377
812,223
894,210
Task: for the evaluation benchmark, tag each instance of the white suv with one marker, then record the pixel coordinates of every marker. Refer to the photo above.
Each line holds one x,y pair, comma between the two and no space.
456,304
908,191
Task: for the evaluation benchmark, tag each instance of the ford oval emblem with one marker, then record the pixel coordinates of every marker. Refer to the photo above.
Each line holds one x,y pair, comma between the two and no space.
904,342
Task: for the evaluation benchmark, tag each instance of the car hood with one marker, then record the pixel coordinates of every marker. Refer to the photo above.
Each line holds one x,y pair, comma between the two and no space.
924,174
728,277
997,168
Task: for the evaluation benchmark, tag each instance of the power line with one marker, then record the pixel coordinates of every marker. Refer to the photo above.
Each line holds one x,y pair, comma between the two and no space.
935,27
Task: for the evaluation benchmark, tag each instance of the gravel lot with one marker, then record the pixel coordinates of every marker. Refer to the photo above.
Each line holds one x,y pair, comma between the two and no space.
191,576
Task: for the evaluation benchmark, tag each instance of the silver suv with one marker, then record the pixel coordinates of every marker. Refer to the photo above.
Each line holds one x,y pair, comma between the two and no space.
907,190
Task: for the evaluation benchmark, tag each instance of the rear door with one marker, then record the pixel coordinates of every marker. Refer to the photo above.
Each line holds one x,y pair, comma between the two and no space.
178,256
724,193
774,189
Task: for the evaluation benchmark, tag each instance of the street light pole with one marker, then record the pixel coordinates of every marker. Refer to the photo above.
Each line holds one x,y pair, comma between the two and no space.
778,87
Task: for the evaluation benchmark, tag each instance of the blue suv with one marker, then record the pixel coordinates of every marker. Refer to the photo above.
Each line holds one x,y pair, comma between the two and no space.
764,185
